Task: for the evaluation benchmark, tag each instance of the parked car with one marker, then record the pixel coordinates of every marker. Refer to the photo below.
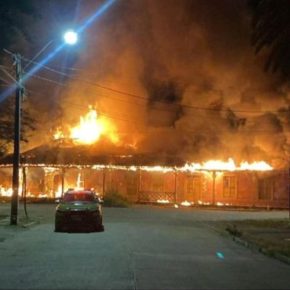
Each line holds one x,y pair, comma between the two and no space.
79,210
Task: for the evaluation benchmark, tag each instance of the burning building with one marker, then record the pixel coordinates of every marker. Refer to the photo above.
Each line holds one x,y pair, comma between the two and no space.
80,160
181,90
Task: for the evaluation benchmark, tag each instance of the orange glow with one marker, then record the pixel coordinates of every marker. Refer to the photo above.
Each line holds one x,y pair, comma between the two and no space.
90,129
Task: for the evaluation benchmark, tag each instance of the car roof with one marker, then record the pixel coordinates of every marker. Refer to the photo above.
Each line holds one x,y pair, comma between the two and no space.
80,191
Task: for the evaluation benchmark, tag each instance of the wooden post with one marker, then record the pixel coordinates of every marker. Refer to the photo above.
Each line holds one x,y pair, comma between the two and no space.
62,181
213,187
175,187
104,181
138,184
24,190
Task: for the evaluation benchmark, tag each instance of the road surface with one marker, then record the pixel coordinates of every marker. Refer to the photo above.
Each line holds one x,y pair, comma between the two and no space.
141,248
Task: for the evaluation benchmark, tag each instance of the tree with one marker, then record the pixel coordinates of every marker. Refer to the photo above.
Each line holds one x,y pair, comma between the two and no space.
271,31
14,35
20,21
7,124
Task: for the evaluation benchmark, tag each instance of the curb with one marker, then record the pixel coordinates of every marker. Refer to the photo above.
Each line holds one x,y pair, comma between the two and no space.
250,245
264,251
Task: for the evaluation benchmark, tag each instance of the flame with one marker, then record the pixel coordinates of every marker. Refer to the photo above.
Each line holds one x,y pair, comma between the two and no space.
58,193
211,165
6,191
58,134
259,165
90,129
226,166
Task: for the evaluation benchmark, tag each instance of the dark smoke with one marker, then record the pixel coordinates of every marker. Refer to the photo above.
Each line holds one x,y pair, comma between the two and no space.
199,90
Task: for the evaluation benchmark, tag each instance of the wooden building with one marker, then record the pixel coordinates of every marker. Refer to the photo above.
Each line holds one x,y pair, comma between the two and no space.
50,171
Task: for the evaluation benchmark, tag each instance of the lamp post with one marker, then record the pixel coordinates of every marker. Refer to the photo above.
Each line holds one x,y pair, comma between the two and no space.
71,38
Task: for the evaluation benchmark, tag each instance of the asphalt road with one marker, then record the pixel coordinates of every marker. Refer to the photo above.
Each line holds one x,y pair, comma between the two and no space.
141,248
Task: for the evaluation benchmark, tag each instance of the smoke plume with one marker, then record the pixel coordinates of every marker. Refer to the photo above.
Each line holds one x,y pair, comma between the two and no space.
181,78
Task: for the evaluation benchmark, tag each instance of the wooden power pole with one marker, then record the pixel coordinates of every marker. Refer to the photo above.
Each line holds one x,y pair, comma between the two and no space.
16,152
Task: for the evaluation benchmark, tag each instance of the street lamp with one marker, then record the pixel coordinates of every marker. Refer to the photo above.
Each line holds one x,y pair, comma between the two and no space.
70,37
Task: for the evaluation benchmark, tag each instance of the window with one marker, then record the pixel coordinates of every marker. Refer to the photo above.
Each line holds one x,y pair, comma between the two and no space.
230,186
266,188
79,196
193,185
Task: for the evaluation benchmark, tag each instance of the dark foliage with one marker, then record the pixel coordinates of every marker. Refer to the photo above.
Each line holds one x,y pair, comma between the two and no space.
271,30
7,125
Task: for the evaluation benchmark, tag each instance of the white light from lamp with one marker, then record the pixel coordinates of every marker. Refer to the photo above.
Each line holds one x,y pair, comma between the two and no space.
70,37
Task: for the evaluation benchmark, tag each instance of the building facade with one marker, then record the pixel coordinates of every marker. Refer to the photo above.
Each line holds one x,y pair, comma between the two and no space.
268,189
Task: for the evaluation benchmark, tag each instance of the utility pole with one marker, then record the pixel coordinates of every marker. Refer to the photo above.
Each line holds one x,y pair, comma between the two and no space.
16,152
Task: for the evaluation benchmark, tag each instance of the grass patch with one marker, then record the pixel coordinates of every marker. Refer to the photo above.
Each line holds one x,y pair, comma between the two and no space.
115,199
271,235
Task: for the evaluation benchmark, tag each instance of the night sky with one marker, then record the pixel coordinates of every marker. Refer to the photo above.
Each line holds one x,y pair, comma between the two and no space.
176,77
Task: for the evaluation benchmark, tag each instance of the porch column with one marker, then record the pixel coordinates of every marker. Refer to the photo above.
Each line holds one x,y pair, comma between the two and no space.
104,181
175,187
24,190
62,181
138,184
213,187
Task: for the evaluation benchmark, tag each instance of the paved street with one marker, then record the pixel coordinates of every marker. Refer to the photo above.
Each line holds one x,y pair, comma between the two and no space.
141,248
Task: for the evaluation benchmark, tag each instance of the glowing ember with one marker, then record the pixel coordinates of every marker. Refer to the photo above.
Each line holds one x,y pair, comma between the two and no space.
90,129
186,203
164,201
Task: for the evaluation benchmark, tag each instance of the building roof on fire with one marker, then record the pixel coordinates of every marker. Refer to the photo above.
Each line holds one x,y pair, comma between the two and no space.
53,154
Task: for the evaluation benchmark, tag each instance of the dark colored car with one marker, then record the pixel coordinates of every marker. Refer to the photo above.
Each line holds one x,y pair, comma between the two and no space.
79,210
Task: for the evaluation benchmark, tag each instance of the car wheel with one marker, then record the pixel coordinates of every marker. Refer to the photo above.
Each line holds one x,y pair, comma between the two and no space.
99,228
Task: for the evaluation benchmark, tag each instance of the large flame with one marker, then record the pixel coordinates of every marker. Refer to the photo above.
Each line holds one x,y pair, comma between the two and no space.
229,165
90,129
210,165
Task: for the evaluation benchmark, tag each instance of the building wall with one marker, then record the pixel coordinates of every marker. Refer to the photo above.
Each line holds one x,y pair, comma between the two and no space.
245,188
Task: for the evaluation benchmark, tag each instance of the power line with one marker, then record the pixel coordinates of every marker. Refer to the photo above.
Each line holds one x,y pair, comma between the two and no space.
145,98
130,120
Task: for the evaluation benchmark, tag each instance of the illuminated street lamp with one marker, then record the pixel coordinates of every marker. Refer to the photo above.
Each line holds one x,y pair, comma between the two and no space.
71,38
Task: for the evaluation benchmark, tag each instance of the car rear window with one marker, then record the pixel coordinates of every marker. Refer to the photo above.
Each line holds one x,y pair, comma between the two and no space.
79,196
